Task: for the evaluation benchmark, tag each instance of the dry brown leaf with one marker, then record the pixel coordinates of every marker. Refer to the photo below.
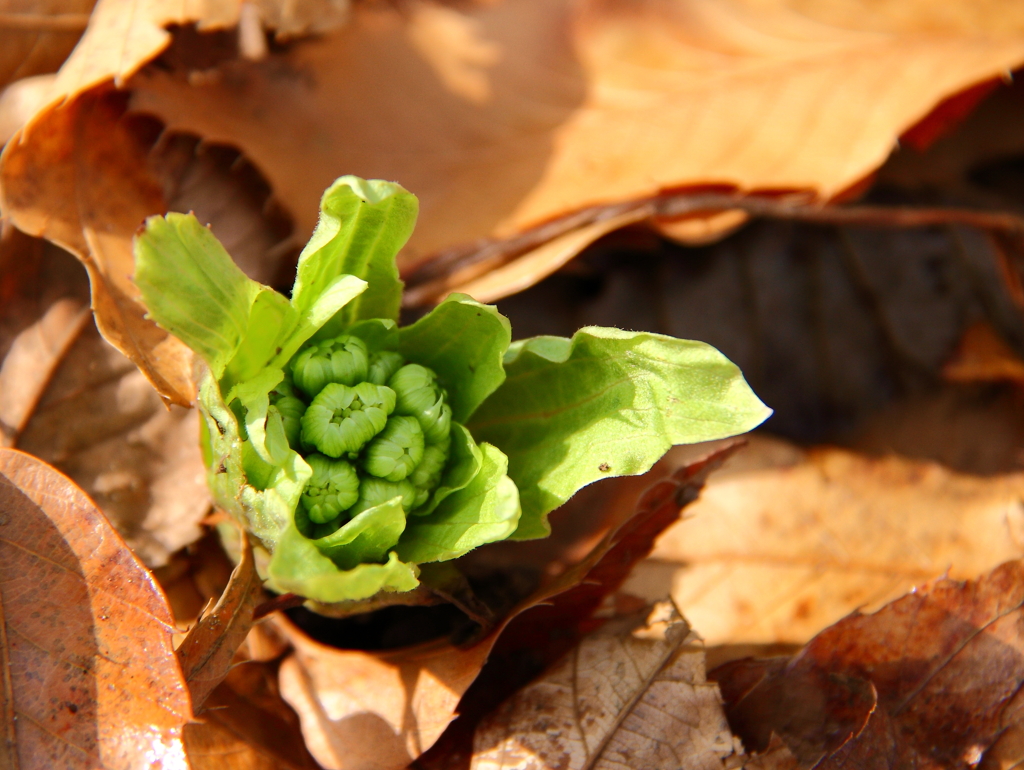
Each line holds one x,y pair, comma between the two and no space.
101,423
361,710
21,100
247,726
34,355
84,154
366,711
207,651
36,36
88,652
125,34
84,408
632,694
937,674
983,356
507,115
783,542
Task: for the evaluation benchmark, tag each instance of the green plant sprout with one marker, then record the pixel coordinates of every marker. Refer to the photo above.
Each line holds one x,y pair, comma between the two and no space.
354,451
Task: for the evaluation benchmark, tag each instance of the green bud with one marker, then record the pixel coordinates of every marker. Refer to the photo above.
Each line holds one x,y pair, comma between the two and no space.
383,365
427,475
342,419
436,422
416,389
343,360
374,491
333,489
396,450
291,410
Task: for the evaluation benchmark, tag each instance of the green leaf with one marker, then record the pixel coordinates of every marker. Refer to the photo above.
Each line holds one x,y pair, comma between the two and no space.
297,566
271,321
265,511
192,288
606,403
362,226
338,293
484,511
367,537
254,396
464,342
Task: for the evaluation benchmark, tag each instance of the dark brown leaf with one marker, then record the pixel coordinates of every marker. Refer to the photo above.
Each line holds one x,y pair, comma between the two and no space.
88,648
944,661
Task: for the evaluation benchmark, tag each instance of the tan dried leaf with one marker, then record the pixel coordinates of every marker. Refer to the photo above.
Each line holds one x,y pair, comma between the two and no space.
784,542
90,678
29,364
507,115
633,694
125,34
370,711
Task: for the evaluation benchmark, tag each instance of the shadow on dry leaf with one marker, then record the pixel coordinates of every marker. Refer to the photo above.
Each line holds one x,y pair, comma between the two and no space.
89,676
944,665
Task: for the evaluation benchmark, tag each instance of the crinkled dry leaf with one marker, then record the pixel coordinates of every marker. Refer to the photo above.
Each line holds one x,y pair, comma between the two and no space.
110,176
364,711
78,178
784,542
630,695
87,651
21,100
946,662
513,113
207,651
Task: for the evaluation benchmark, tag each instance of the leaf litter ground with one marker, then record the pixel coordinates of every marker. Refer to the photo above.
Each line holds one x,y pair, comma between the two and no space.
851,348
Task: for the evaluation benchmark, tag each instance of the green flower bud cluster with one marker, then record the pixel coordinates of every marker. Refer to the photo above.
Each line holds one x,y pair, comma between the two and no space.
371,426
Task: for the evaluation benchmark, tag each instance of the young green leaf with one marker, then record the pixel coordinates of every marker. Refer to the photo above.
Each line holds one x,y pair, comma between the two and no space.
606,403
208,308
362,226
366,538
484,511
464,343
297,566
